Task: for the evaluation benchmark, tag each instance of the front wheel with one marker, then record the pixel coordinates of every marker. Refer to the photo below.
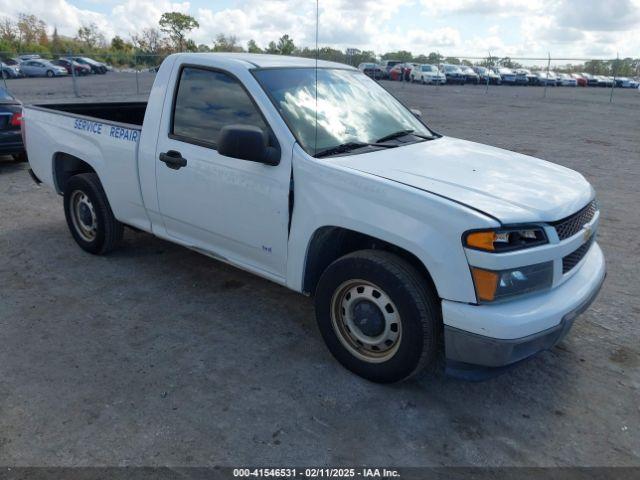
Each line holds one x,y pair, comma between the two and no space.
89,216
49,73
378,316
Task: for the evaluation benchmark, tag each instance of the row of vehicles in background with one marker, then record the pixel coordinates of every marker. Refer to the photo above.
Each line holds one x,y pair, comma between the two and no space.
10,124
35,66
463,74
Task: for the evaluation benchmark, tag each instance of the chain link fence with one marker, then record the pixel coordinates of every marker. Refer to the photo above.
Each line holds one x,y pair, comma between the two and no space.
94,76
130,76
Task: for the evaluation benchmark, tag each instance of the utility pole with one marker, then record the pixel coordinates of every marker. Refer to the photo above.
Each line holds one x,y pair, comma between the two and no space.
615,66
73,75
546,82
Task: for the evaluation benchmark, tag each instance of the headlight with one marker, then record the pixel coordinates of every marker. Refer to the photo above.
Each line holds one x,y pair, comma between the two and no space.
493,285
505,239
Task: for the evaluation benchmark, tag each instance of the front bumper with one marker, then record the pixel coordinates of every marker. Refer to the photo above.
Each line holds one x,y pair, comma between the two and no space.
551,314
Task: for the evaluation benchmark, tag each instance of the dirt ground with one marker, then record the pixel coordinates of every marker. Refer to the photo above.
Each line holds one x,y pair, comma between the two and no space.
157,355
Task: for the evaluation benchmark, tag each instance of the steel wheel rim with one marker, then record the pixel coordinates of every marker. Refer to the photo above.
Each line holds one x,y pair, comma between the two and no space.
83,216
376,348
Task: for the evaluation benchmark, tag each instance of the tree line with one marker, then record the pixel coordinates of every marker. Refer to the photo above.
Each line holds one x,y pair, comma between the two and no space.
29,34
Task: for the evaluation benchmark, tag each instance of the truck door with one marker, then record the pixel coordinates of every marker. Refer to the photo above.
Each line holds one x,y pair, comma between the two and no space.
234,209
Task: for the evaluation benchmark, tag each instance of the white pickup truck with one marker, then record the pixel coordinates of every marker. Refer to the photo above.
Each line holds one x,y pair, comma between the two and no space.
417,247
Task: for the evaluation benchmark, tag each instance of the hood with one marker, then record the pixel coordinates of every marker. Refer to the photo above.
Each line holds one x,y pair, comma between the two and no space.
509,186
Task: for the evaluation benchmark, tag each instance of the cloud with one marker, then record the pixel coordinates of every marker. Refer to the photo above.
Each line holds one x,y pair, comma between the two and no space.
57,13
482,7
517,27
134,15
438,38
600,15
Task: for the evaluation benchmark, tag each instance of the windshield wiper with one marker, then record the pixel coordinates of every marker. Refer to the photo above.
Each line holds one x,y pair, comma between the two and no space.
347,147
401,133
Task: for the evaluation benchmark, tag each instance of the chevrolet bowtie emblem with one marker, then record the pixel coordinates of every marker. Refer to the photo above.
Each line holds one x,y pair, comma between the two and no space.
587,233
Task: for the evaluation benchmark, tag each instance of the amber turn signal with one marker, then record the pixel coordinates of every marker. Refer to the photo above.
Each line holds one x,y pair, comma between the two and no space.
482,240
486,283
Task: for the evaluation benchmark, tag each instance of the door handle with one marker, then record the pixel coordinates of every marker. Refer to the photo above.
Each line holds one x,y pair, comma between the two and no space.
174,160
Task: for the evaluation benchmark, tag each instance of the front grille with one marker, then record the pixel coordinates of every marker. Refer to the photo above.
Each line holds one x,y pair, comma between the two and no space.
569,226
574,257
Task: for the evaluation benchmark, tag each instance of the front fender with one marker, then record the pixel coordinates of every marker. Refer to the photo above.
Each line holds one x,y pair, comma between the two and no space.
428,226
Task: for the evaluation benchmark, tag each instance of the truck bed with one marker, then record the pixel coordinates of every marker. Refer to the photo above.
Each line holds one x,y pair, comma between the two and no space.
62,139
131,113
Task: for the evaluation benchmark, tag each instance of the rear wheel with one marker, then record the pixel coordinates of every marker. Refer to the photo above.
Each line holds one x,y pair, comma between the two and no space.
89,215
5,75
378,316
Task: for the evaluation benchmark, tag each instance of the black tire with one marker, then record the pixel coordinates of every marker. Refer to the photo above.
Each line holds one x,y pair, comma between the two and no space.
5,75
108,230
49,73
417,305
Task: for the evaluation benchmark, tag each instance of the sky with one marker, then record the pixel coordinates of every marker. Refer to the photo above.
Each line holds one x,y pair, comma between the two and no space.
516,28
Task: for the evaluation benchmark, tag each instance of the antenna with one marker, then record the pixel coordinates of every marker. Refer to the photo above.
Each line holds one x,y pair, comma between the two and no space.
315,142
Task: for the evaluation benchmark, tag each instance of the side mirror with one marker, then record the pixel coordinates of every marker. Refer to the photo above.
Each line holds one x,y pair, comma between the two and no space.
247,142
416,113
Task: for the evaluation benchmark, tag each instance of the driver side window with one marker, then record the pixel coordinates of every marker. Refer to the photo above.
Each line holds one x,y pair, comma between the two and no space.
208,100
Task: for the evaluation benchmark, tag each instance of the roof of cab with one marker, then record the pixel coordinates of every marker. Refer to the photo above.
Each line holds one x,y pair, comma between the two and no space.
261,60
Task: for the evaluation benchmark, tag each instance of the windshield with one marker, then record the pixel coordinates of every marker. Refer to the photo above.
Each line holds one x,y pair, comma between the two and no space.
351,107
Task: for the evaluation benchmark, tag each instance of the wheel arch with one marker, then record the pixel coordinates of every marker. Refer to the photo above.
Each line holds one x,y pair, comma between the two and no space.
66,166
328,243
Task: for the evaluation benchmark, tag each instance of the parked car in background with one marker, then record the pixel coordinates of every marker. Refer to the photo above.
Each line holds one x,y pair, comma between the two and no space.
547,78
486,74
604,81
387,65
42,68
372,70
453,74
624,82
592,81
78,68
9,71
532,79
10,124
566,80
470,76
401,71
580,79
428,74
32,56
96,67
508,76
